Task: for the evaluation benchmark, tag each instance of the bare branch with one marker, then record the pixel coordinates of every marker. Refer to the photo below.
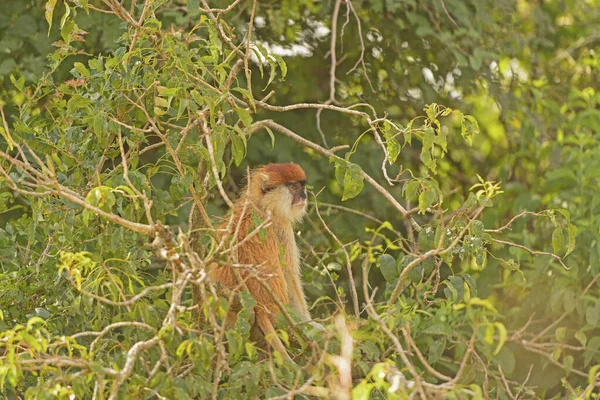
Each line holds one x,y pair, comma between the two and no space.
534,252
328,153
132,356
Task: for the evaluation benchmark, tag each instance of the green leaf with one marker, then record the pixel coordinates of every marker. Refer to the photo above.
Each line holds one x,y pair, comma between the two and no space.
592,374
410,190
387,265
183,105
111,62
581,336
282,65
558,239
65,17
101,197
439,329
35,320
471,201
502,335
164,91
83,71
353,182
340,169
450,292
244,116
261,54
436,350
591,316
393,148
19,83
428,138
234,340
77,102
270,132
456,286
565,213
159,111
193,6
237,148
370,349
426,199
96,367
431,111
506,359
427,149
66,30
159,101
48,12
197,97
245,297
569,300
242,136
469,128
392,145
272,70
470,281
560,334
568,363
593,347
440,140
250,350
95,64
7,138
362,391
571,235
42,312
483,302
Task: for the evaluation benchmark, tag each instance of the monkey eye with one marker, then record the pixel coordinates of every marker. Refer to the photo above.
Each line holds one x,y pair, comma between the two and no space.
295,186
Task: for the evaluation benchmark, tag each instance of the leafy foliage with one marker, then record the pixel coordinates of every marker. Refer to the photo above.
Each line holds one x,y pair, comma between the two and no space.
452,246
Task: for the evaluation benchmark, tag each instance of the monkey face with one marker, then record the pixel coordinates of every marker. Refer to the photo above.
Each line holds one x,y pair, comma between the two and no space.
282,191
298,191
287,201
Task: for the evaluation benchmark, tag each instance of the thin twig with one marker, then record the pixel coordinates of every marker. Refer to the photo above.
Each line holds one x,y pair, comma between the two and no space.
533,252
333,64
352,284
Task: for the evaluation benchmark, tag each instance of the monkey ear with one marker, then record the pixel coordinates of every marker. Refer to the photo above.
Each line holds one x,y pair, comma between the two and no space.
264,180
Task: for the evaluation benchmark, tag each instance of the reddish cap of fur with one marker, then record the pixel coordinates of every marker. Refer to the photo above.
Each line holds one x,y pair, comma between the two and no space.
284,173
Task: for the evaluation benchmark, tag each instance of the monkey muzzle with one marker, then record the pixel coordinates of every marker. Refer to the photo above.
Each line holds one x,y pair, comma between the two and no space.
300,203
300,199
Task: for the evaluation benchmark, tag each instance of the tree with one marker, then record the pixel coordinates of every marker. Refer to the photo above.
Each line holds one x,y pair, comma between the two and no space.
433,279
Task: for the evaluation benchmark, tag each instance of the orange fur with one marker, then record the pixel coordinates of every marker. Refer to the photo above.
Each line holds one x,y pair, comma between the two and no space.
282,173
280,270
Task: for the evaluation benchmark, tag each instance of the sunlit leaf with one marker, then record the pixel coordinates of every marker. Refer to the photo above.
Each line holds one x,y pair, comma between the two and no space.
49,11
558,239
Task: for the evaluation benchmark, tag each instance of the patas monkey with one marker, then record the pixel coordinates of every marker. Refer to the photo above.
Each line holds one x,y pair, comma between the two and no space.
275,191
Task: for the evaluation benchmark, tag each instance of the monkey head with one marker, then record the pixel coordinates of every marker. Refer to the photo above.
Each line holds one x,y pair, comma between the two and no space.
281,189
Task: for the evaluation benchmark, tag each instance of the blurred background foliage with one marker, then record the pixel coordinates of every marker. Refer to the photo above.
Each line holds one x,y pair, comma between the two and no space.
528,71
